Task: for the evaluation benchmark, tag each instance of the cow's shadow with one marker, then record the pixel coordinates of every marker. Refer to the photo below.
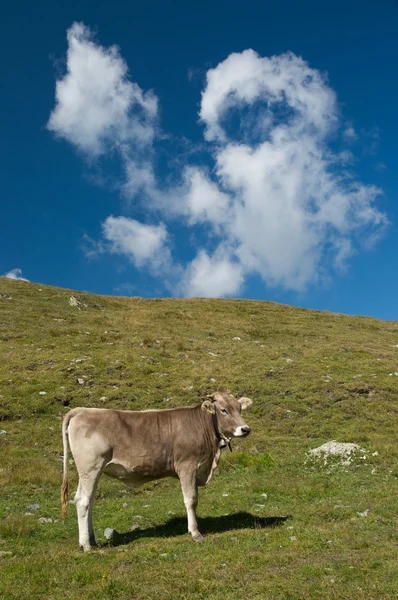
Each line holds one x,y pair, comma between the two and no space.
178,526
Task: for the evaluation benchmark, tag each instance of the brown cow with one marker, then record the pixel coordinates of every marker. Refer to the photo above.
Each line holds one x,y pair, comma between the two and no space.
137,447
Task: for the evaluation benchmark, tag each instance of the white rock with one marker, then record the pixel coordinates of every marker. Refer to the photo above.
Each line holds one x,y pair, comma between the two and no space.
109,533
80,380
3,432
236,339
46,520
293,538
33,507
212,353
43,393
74,302
336,449
364,513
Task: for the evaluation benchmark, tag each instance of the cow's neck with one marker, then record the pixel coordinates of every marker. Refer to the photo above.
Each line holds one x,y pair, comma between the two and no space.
223,440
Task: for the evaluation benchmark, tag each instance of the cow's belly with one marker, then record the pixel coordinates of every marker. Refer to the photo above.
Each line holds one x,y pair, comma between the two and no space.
133,475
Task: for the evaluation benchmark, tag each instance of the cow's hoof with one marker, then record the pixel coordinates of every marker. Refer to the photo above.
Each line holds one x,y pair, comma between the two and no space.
198,538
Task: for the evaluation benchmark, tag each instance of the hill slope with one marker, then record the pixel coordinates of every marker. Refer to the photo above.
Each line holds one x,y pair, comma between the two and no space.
313,377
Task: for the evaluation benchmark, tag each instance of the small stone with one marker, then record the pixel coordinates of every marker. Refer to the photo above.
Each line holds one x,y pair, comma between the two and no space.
364,513
33,507
109,533
212,353
212,380
42,393
103,398
125,504
74,302
163,555
293,538
29,514
46,520
80,380
3,432
237,339
225,495
264,495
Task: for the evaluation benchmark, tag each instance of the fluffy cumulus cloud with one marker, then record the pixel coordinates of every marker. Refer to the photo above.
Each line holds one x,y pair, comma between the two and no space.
100,110
15,274
144,245
212,276
273,199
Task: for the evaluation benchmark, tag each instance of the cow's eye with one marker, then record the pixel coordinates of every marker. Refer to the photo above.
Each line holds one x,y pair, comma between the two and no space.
224,411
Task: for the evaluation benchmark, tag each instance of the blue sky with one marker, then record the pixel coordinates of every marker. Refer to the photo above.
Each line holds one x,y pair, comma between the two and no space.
230,150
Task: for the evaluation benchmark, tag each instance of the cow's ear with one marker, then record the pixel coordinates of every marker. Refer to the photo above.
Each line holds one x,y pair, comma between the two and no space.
245,402
209,406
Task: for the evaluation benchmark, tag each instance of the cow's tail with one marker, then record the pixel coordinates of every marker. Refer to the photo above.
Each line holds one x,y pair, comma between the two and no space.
64,486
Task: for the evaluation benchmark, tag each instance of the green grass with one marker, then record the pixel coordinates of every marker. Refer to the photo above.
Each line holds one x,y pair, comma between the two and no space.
276,526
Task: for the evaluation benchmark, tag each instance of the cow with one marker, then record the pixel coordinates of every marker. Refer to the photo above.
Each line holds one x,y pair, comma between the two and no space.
136,447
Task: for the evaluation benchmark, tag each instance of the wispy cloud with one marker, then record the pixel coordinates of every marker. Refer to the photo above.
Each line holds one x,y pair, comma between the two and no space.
272,197
15,274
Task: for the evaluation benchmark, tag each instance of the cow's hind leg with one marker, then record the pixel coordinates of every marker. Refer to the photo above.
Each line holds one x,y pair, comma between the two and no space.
190,491
84,506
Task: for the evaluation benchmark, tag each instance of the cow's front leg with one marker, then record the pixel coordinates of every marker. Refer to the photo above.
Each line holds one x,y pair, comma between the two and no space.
190,491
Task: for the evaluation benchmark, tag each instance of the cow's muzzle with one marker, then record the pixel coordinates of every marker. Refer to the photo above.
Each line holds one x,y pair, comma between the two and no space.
242,431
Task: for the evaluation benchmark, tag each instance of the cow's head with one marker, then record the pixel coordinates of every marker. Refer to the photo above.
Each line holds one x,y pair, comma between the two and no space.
227,414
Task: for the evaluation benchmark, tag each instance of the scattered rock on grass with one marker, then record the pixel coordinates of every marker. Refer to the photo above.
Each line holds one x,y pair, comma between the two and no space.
340,452
47,520
110,533
33,507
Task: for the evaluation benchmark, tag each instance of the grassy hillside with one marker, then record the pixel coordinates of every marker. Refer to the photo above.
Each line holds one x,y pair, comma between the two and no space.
276,526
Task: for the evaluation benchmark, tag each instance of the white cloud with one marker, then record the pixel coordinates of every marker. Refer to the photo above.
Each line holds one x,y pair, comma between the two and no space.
15,274
278,203
99,110
144,245
293,210
212,276
97,107
245,77
349,134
